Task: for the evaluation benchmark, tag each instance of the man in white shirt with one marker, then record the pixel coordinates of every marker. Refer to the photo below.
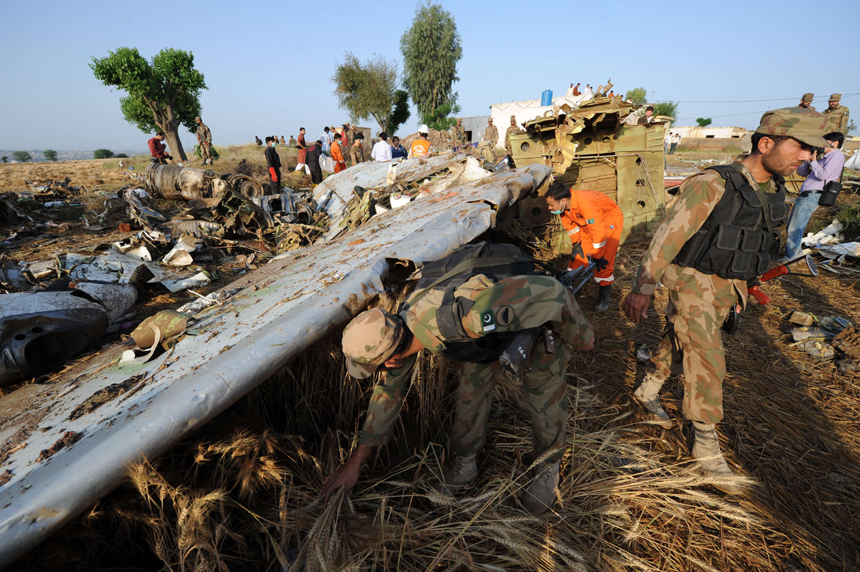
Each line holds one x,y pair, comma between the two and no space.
382,150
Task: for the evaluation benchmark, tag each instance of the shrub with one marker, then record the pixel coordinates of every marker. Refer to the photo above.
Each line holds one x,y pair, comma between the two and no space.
102,154
199,155
50,154
22,156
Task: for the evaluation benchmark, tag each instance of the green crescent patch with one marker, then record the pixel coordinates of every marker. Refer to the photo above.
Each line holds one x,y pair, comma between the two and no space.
488,321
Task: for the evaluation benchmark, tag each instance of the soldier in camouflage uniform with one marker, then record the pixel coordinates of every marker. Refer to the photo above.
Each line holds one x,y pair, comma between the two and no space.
491,133
837,115
806,101
204,139
458,136
707,277
514,129
356,152
377,340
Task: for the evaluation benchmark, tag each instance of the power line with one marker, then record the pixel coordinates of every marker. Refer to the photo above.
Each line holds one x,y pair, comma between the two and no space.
845,96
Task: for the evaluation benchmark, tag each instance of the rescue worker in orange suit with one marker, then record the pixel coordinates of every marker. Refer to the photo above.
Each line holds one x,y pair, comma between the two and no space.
594,223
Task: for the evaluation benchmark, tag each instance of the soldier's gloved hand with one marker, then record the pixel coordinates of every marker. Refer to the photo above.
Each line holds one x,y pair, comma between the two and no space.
600,263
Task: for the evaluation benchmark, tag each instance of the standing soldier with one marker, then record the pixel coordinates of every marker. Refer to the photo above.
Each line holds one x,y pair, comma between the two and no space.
512,130
491,134
204,139
722,233
594,223
356,152
491,138
806,101
458,136
485,313
837,115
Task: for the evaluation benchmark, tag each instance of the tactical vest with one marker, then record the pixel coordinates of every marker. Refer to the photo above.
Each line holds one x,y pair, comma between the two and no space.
741,235
496,262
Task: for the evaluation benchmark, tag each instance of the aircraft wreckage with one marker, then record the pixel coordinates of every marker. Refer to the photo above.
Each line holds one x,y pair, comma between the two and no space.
65,444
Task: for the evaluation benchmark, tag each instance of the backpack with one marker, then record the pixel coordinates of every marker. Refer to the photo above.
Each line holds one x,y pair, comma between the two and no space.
496,262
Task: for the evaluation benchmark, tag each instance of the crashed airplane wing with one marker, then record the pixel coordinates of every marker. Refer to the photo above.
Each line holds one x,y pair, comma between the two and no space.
65,444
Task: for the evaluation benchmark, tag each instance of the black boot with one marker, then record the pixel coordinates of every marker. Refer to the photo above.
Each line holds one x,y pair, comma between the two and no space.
603,298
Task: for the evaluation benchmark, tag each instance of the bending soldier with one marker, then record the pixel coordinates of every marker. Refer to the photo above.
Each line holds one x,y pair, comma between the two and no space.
494,309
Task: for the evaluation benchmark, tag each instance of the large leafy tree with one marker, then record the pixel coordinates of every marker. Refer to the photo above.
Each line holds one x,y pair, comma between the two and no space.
369,90
636,96
163,93
22,156
667,108
431,49
50,154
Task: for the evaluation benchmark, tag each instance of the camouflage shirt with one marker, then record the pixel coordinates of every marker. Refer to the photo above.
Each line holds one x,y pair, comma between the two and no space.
203,134
698,196
511,305
491,134
458,136
512,130
837,119
356,154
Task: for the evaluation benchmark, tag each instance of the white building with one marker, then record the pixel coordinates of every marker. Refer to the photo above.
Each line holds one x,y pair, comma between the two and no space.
709,132
525,111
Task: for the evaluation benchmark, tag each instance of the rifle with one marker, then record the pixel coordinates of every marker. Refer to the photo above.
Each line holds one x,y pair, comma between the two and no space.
733,320
575,279
763,298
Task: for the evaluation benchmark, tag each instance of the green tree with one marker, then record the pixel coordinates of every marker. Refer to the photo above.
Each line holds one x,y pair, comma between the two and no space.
637,96
400,113
441,118
431,49
703,121
667,108
120,156
4,158
50,154
368,90
22,156
102,154
163,93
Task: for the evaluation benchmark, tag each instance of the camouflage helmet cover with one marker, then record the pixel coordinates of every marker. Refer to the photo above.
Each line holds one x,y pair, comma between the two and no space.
803,124
807,97
835,97
369,340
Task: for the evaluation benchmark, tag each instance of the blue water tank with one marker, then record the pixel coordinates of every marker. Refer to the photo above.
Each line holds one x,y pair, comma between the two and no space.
546,97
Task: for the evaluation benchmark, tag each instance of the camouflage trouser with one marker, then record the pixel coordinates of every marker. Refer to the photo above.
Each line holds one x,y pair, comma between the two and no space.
545,393
205,152
692,344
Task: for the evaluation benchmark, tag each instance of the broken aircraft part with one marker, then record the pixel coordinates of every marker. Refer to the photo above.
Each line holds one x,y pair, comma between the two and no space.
183,183
40,330
592,147
283,308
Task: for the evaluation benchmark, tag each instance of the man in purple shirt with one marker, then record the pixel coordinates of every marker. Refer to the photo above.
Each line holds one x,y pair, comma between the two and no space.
818,173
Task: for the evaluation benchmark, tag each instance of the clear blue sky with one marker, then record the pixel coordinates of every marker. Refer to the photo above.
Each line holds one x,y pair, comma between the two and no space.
268,65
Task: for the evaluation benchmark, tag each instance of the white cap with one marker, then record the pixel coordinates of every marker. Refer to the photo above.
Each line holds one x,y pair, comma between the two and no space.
424,129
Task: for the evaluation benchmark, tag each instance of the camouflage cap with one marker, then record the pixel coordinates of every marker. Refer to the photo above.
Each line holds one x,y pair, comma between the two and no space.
807,97
803,124
197,118
369,340
513,117
835,97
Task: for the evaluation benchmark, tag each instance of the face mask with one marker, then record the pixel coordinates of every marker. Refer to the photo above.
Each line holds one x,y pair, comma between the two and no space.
557,212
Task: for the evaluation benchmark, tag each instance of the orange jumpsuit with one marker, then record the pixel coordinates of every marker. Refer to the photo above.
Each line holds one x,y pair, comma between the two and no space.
337,156
594,223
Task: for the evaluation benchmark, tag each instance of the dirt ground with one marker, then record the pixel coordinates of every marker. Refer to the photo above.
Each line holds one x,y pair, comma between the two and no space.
791,426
